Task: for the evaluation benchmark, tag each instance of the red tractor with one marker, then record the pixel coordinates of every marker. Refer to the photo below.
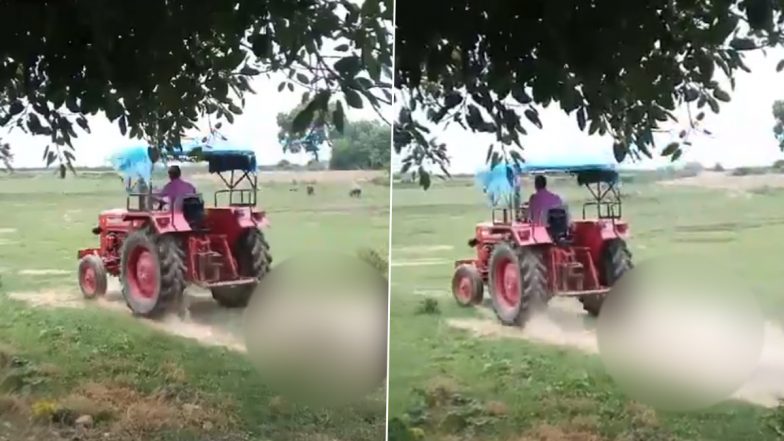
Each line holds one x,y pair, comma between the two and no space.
524,264
157,252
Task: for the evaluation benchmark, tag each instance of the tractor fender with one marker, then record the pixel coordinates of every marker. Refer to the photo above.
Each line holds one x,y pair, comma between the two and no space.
613,230
162,223
531,235
246,217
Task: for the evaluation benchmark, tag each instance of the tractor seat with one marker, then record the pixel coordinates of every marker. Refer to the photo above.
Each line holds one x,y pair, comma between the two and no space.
558,226
193,211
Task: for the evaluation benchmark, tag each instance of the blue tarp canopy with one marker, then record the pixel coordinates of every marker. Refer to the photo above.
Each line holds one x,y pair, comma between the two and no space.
590,166
586,173
134,162
220,156
226,160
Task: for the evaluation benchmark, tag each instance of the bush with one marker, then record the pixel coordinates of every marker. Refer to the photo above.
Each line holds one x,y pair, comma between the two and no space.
742,171
718,167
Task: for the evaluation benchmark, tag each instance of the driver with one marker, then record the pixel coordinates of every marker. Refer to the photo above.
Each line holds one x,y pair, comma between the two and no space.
176,188
542,201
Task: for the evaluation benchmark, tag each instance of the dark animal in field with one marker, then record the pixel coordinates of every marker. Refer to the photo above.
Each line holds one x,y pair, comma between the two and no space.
311,190
355,193
294,189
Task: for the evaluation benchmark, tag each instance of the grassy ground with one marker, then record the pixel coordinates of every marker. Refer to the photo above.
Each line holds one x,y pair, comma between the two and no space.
446,384
139,383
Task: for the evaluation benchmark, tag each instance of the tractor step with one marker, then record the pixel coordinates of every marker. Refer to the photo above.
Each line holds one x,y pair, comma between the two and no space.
586,292
246,281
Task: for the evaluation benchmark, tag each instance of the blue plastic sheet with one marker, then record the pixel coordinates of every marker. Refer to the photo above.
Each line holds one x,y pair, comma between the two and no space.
133,164
497,186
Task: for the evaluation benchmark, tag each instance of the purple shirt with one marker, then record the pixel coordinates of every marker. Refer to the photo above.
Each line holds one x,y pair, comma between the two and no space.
539,203
176,189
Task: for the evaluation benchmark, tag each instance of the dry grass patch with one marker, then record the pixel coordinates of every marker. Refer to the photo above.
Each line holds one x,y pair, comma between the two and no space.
548,432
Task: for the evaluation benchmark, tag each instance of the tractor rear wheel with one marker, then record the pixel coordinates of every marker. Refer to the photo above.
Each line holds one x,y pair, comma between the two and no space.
92,276
153,272
254,259
467,286
518,283
616,260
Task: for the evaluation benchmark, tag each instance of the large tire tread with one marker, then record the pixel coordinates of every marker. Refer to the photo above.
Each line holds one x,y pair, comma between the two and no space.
616,261
534,292
254,260
171,258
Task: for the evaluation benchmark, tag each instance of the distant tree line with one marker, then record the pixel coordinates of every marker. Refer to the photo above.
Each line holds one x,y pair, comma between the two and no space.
363,145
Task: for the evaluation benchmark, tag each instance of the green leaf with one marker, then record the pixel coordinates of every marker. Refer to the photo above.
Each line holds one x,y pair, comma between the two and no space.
533,116
353,98
16,108
721,95
452,100
348,66
619,151
338,117
670,149
714,105
82,121
342,48
780,66
424,178
581,118
690,95
743,44
519,94
123,125
250,71
302,78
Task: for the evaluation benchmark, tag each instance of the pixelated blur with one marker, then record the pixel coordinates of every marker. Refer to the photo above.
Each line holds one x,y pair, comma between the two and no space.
680,334
316,329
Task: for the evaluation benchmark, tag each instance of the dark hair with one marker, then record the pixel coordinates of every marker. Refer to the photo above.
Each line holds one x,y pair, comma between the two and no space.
174,172
540,182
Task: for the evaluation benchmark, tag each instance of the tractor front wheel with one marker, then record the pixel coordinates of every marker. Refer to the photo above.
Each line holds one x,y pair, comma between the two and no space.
616,261
153,272
518,283
467,286
254,259
92,276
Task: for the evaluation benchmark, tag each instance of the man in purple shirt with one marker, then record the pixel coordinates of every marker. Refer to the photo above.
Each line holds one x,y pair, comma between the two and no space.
176,188
542,201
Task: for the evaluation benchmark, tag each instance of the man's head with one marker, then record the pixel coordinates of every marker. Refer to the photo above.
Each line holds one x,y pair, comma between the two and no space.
174,172
540,182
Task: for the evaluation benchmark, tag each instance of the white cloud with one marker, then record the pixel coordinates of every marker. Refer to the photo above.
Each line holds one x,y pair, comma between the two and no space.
742,131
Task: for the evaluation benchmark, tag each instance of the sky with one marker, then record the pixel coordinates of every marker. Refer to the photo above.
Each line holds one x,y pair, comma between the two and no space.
742,132
255,129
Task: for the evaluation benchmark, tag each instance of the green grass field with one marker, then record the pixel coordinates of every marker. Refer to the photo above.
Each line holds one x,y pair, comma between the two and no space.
446,384
139,383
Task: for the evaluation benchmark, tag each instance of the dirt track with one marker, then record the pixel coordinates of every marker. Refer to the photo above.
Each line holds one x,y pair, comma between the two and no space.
207,323
565,324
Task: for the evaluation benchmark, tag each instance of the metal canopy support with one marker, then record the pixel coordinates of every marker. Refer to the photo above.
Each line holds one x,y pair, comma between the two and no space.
600,194
231,188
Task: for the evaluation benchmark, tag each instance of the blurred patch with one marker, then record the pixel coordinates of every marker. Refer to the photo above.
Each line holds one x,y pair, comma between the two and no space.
681,334
316,328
